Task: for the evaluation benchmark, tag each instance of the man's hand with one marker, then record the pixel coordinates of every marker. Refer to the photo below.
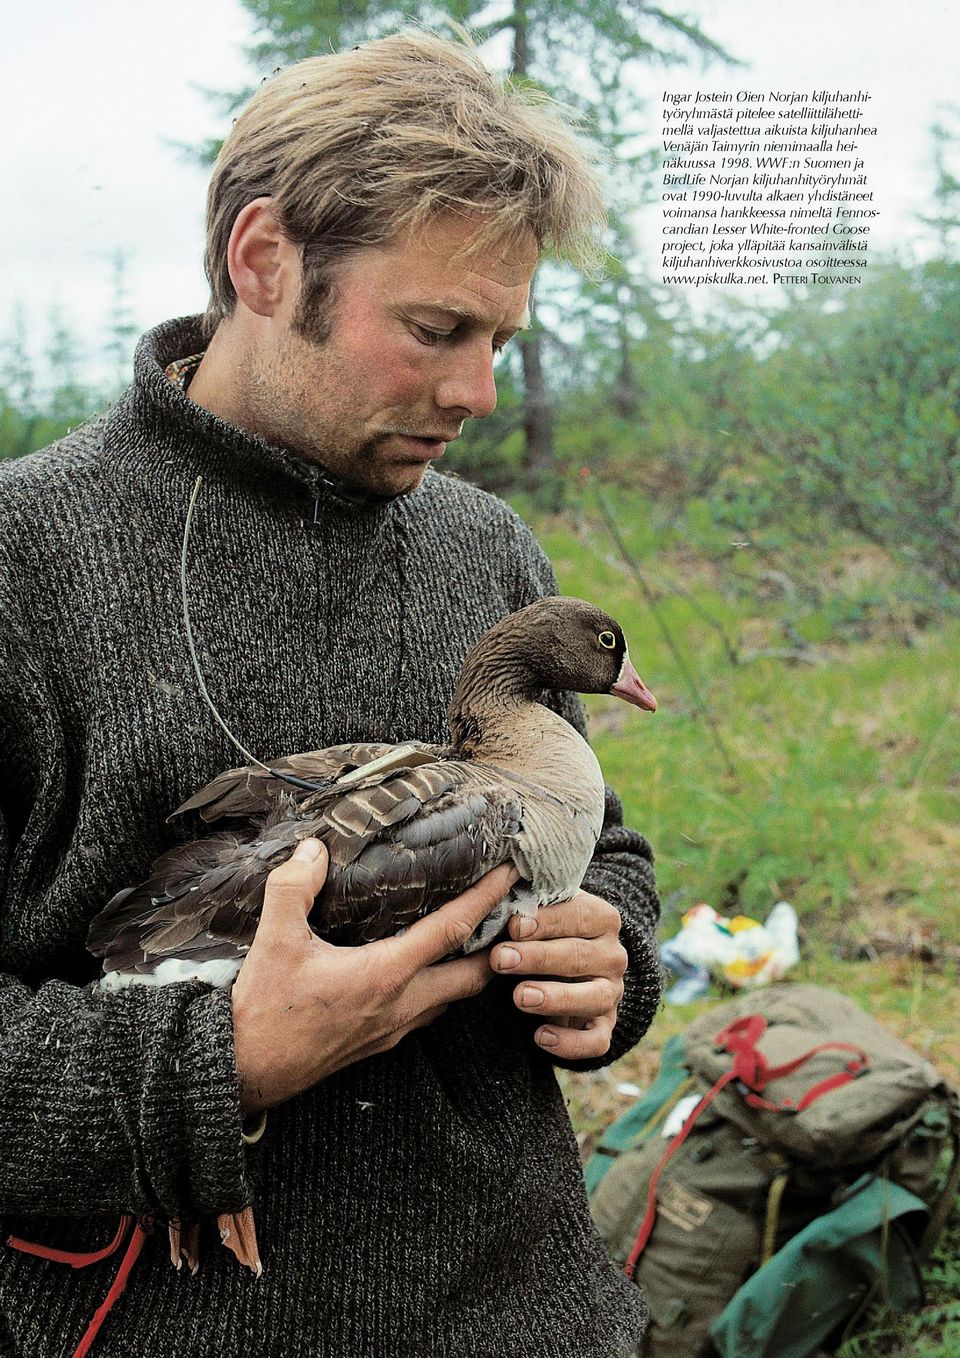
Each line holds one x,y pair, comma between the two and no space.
303,1008
578,940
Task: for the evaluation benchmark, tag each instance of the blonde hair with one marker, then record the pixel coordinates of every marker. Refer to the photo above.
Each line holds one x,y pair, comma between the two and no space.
360,147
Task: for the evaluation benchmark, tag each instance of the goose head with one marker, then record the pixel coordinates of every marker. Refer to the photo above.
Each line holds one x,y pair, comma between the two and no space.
555,643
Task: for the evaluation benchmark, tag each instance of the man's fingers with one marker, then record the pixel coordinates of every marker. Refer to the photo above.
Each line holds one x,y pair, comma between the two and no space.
446,930
603,956
577,1044
290,892
578,1000
583,916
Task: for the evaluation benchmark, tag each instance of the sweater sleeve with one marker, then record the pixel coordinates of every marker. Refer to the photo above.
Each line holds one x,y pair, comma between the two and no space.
622,867
126,1103
108,1102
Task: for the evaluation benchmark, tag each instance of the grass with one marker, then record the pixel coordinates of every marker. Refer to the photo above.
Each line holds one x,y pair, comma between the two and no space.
828,776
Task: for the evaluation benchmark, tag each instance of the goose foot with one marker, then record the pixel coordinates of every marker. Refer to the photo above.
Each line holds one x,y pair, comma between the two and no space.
238,1233
184,1245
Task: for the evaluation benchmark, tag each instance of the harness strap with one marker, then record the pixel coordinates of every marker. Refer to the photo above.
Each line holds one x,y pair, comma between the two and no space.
74,1258
78,1259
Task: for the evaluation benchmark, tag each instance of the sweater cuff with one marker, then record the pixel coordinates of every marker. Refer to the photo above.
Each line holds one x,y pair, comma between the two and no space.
191,1125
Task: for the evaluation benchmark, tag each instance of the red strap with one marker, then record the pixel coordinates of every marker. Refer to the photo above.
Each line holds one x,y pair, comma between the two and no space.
777,1072
72,1257
842,1077
650,1215
753,1072
76,1259
117,1286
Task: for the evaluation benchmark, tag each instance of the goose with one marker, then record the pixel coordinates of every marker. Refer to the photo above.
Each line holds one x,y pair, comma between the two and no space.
407,827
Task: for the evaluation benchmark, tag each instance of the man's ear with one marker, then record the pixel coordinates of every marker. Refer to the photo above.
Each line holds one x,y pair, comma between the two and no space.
264,263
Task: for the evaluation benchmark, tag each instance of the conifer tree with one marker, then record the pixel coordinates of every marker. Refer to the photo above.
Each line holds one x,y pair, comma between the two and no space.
121,328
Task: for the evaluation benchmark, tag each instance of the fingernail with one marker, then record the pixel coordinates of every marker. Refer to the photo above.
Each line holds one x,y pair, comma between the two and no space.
308,849
530,997
547,1038
526,926
507,958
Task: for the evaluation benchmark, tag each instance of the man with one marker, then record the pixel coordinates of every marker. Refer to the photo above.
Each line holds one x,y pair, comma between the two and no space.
373,224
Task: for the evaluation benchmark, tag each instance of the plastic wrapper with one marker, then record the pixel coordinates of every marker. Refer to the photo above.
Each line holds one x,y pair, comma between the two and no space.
741,952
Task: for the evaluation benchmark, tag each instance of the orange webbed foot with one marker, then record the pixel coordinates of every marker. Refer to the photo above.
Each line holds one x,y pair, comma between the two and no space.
184,1245
238,1233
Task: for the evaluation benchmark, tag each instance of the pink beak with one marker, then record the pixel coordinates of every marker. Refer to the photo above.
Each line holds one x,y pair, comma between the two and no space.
631,688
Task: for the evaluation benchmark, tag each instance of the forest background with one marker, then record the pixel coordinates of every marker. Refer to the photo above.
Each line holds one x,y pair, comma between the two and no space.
765,489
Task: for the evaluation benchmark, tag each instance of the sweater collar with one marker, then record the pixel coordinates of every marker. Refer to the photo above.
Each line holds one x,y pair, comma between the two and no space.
163,411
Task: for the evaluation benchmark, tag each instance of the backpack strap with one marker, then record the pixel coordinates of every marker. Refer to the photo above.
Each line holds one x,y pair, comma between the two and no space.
650,1215
943,1205
756,1073
752,1073
771,1219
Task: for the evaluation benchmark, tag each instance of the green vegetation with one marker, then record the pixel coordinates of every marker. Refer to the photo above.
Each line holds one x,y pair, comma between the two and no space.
840,796
829,673
768,498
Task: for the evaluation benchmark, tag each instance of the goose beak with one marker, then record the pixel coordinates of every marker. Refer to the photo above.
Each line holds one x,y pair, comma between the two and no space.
631,688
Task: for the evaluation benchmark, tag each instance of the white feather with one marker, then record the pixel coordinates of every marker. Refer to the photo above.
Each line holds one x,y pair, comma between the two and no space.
221,972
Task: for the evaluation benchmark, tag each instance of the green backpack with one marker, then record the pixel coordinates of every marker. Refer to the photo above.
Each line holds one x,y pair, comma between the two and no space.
798,1176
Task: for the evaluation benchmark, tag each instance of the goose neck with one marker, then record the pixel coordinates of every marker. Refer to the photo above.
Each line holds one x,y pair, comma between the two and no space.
494,690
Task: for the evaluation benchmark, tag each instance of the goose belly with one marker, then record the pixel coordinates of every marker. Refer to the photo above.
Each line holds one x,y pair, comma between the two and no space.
553,851
557,847
220,972
563,806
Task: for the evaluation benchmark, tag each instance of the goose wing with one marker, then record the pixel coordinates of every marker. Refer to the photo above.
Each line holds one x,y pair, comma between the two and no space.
401,842
254,791
401,848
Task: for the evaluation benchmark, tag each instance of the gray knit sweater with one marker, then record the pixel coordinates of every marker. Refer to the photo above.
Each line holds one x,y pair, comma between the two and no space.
420,1204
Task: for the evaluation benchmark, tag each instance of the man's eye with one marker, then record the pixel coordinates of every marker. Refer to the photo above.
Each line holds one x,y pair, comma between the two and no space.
427,336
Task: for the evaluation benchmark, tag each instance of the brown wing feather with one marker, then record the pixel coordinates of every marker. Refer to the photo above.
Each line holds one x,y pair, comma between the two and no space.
251,791
398,877
400,844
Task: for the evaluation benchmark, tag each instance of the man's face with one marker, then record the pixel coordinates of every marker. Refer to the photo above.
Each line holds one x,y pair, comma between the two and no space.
413,336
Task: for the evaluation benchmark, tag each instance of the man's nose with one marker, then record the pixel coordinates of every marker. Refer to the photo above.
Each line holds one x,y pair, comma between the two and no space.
469,384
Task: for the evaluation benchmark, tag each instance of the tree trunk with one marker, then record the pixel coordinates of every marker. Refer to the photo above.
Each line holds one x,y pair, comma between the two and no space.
626,399
520,59
538,452
539,461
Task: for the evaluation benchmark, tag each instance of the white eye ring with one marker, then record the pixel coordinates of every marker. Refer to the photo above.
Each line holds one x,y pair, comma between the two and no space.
608,641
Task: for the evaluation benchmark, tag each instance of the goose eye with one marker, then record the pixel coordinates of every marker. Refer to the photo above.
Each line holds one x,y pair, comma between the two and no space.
608,641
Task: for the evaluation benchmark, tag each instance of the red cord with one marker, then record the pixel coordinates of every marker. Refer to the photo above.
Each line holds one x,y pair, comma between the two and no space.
117,1286
77,1259
72,1257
